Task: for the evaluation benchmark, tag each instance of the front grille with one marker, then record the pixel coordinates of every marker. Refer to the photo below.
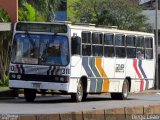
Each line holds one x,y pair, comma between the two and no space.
33,77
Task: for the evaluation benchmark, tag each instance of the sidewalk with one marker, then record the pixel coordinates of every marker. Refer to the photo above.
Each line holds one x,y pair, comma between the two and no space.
151,91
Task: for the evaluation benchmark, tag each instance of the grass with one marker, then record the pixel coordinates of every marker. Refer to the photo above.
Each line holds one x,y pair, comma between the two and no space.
4,88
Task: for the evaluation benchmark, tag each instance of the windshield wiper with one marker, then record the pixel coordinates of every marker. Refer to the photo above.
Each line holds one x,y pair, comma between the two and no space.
30,39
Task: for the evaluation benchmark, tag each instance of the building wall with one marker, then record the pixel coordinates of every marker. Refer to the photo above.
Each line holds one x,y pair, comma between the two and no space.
151,17
11,6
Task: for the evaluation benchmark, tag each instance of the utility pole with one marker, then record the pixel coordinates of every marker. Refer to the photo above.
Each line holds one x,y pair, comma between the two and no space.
156,39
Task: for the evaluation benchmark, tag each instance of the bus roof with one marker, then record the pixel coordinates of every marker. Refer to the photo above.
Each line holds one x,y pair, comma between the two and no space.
91,27
108,30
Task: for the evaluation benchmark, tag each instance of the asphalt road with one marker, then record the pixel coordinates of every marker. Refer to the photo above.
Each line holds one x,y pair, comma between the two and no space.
57,104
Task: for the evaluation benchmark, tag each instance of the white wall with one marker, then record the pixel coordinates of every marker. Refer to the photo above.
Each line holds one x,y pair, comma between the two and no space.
151,16
143,1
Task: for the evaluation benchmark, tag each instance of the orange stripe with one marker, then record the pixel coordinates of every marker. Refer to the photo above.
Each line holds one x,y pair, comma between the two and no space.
103,74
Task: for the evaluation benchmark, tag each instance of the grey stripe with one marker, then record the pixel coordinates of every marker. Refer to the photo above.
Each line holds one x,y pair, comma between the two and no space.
99,80
85,64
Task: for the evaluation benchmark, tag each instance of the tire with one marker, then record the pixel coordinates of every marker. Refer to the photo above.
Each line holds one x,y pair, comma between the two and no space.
78,96
30,95
124,94
84,96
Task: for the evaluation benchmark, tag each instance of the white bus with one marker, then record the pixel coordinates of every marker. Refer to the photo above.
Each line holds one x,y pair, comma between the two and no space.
80,60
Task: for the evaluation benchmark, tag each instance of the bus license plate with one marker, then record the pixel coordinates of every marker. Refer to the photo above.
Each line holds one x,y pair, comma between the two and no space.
36,85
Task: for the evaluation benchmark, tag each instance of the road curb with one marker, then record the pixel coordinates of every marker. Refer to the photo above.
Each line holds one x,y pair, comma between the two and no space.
126,113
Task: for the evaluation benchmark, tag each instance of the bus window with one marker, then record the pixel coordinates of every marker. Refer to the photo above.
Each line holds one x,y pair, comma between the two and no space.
148,42
140,41
148,54
54,51
26,49
120,52
109,51
131,53
76,45
140,53
108,39
130,40
97,38
130,43
148,48
86,50
119,40
86,37
97,50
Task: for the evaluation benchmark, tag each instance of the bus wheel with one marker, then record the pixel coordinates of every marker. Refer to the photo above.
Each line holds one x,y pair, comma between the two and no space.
124,94
84,96
77,97
29,94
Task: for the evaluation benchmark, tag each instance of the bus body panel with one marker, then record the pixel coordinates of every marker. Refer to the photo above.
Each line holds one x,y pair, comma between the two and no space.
76,65
21,84
39,69
118,69
130,72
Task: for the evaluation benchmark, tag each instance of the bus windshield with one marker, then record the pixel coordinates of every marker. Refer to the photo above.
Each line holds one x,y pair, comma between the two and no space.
40,49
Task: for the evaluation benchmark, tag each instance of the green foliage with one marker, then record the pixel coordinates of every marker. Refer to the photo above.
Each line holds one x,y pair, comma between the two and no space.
122,13
44,9
47,7
4,81
5,47
28,13
4,88
4,17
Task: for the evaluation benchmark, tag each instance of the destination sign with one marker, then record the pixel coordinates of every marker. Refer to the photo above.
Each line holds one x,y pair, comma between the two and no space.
41,27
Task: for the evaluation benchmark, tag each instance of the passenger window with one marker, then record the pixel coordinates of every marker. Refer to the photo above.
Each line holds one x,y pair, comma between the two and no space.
86,37
148,42
120,52
149,54
76,45
86,50
119,40
97,50
109,51
131,53
108,39
97,38
148,48
140,41
140,53
130,40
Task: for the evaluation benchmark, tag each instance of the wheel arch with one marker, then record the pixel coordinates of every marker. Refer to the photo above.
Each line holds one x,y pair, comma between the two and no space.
129,82
83,79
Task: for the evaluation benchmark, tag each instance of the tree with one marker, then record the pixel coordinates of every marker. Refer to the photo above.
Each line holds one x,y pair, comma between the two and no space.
28,13
4,17
122,13
5,46
47,8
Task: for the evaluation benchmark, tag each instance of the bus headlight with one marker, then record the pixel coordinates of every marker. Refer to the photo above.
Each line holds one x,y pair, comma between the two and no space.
13,76
61,79
64,79
18,76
